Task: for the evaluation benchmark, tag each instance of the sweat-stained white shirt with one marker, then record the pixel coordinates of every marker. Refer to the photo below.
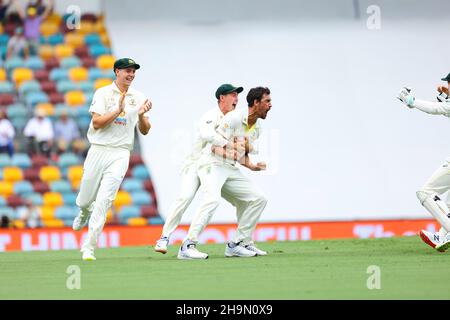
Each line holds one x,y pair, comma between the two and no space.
120,132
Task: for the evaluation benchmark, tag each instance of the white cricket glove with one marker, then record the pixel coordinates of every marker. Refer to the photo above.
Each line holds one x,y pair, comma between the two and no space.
442,97
406,97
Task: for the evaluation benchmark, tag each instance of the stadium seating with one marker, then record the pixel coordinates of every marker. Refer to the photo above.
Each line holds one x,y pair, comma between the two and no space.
62,77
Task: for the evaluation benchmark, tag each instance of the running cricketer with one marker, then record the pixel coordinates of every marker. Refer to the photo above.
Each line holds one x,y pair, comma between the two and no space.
439,183
221,177
227,99
116,110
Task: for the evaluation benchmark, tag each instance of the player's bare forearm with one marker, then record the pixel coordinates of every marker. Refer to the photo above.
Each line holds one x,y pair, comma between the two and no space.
144,125
224,152
101,121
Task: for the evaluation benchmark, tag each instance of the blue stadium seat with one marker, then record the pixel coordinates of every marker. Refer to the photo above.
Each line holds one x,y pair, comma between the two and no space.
29,86
69,198
4,38
61,108
141,198
23,188
83,122
88,96
155,220
66,212
82,111
96,73
13,63
60,186
140,172
87,86
55,39
34,63
16,111
70,62
131,185
7,211
36,198
2,202
19,123
98,49
92,39
34,98
5,161
58,74
6,87
129,212
64,86
68,159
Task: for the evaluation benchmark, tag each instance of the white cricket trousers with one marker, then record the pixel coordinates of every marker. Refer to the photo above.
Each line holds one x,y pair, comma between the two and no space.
190,183
227,181
103,172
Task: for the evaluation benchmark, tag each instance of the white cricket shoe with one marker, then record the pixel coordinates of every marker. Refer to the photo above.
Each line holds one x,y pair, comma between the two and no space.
252,247
161,245
79,222
238,250
435,240
444,244
88,255
189,251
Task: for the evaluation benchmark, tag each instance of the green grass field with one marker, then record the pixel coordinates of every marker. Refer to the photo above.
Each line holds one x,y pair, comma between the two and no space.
332,269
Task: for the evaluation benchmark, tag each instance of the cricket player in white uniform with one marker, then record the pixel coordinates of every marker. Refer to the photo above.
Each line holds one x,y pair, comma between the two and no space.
221,177
439,183
227,99
116,110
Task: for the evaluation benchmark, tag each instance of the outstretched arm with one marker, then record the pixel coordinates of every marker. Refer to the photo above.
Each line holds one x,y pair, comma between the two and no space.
442,108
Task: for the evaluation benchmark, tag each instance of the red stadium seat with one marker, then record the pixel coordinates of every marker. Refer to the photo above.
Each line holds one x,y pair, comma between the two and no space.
88,62
148,211
135,159
48,87
6,99
31,174
148,186
41,75
38,160
51,63
40,186
129,173
82,52
55,98
89,17
14,201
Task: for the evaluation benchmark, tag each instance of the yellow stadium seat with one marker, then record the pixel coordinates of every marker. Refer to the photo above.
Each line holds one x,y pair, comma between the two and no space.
19,224
63,51
78,74
102,82
1,28
74,39
75,98
105,39
47,213
6,188
3,76
75,173
46,51
53,199
12,174
48,28
99,27
137,222
47,107
123,198
86,27
49,173
55,18
53,223
75,184
109,215
106,61
20,75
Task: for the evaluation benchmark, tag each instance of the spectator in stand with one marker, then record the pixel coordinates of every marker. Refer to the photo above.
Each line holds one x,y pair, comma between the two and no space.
18,45
66,132
39,5
32,23
4,5
29,214
7,133
5,222
40,134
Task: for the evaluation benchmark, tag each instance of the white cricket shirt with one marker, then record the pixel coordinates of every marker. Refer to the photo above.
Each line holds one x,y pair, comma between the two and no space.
120,132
